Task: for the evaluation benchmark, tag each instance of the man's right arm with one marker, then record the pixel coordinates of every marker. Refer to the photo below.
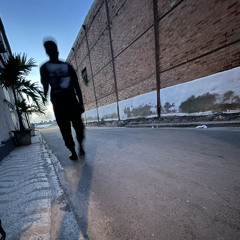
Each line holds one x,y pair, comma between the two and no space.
76,86
44,80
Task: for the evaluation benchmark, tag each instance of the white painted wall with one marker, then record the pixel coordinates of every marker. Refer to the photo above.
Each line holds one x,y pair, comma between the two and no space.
108,112
90,115
218,84
139,102
8,118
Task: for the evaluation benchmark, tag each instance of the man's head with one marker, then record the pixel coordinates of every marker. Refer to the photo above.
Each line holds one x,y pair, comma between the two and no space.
51,49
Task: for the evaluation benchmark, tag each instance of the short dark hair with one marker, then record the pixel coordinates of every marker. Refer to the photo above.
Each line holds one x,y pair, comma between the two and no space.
50,46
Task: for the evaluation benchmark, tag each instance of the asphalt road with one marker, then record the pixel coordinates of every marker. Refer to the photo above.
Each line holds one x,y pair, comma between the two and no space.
154,183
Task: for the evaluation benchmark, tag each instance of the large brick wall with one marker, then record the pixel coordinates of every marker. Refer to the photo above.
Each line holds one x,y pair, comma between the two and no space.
195,39
199,38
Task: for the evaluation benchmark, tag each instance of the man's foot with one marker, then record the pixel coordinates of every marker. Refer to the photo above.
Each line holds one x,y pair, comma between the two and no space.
81,150
73,156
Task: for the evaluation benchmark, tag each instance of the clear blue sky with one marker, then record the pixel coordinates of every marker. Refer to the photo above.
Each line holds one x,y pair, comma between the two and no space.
28,22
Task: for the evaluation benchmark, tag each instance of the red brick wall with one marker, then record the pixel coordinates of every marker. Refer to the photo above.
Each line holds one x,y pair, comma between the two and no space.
196,39
198,35
104,83
136,64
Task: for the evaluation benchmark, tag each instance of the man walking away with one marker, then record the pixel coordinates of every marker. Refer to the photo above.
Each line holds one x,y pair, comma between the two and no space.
66,97
2,232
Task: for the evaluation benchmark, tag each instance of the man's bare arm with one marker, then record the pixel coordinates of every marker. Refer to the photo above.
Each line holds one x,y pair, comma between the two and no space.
44,81
76,86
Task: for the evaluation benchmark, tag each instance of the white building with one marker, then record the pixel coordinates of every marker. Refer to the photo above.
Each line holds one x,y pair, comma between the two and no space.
8,116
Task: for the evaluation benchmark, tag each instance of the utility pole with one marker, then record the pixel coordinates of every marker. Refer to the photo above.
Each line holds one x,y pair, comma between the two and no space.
157,51
90,62
112,56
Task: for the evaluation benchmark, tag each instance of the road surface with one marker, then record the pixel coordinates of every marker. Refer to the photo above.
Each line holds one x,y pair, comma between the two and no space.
137,183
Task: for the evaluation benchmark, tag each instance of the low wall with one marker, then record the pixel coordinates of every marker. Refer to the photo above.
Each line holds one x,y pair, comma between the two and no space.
217,93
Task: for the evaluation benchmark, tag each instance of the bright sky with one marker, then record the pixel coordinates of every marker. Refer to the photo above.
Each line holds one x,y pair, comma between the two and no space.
28,22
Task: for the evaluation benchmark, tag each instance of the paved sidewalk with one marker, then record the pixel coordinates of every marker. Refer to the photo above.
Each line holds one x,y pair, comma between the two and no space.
32,202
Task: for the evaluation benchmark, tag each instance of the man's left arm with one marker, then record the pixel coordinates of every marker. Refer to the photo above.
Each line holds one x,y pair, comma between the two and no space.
76,86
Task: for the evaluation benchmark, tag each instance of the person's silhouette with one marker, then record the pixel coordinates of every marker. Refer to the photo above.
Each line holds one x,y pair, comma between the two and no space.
2,232
66,97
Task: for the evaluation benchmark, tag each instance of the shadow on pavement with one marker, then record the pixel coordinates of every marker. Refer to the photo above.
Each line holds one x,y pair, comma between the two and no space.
76,181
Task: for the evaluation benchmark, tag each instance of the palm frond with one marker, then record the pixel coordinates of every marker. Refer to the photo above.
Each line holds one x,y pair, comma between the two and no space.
14,68
31,90
24,107
12,75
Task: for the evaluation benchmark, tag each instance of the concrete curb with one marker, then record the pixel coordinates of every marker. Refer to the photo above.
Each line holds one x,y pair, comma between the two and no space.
185,125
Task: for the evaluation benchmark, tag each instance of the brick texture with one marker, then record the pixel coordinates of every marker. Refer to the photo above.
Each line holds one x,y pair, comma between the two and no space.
132,19
196,39
199,68
98,24
107,100
196,28
104,82
142,87
136,64
89,106
100,53
165,6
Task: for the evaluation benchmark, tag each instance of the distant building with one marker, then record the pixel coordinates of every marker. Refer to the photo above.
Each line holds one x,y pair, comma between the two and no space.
8,116
142,58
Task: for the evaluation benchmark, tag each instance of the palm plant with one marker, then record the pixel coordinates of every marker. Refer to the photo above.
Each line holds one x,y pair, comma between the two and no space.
28,109
12,76
25,107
